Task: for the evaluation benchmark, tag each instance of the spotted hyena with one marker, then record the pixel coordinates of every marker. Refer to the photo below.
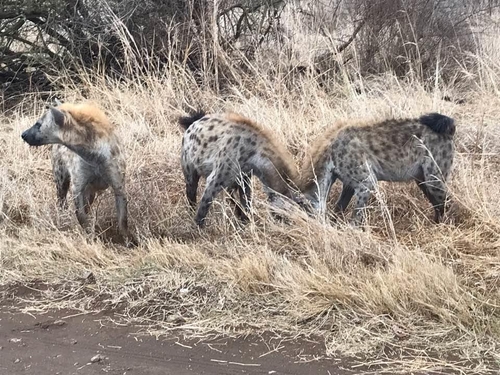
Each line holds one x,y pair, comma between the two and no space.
85,154
394,150
227,149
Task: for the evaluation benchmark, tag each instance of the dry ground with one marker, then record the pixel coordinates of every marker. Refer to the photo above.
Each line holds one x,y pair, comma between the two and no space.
401,286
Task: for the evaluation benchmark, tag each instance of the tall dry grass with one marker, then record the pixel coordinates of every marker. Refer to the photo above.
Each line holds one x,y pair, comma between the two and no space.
426,296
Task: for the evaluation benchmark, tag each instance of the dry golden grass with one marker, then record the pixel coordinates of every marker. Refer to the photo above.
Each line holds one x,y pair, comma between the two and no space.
425,296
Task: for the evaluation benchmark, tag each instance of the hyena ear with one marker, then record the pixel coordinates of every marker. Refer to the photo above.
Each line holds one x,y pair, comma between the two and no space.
58,116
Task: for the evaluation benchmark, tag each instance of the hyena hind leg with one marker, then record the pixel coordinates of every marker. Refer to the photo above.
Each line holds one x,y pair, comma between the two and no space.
89,197
192,178
435,191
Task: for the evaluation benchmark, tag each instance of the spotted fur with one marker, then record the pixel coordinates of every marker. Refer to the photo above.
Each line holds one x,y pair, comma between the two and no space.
359,154
227,149
85,156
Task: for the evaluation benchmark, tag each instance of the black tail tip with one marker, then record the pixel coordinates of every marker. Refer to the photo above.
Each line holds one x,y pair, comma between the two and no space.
186,121
438,123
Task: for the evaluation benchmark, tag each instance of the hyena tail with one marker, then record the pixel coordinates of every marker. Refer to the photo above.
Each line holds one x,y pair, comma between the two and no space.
438,123
186,121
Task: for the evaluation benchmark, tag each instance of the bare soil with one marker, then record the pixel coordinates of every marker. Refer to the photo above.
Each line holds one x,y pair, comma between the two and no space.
62,343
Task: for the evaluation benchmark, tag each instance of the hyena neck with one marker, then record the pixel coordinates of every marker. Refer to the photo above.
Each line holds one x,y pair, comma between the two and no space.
89,154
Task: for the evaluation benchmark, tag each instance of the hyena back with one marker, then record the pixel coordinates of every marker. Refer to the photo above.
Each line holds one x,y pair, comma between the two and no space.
227,149
85,156
395,150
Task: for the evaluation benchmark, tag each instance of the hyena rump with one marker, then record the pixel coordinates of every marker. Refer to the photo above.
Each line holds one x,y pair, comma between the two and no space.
85,154
395,150
227,149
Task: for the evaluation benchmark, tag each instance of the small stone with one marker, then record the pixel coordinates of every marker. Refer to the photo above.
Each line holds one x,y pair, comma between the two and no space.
97,358
17,360
14,340
59,323
74,342
89,277
176,319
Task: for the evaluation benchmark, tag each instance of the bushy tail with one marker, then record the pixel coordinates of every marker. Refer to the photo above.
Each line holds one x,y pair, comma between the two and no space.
439,123
186,121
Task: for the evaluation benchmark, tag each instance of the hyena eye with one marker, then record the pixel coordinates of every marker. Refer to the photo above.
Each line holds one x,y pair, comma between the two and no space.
38,126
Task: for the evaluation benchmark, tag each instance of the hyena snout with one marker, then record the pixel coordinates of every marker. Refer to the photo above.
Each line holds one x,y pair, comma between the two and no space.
32,136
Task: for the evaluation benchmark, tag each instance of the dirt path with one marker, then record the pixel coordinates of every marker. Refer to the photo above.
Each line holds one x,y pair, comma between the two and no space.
58,344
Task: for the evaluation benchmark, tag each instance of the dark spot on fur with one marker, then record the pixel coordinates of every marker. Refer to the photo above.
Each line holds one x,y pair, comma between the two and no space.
229,140
205,145
253,143
213,138
251,153
198,141
395,139
204,119
211,127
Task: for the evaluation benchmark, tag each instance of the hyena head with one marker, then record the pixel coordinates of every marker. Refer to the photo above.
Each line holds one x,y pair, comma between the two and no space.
47,129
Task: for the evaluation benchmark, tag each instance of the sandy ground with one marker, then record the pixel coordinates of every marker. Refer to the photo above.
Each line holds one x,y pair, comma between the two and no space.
58,343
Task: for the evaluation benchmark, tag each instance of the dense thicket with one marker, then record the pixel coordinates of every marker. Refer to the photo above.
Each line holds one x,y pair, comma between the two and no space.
215,39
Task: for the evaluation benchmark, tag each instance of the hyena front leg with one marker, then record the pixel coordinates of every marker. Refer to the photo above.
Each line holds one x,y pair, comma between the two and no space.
362,192
344,199
79,188
245,192
117,183
62,180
